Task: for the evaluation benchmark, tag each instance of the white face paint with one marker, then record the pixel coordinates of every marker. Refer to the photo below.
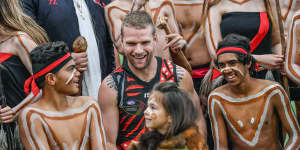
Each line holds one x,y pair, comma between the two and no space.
70,78
149,111
232,68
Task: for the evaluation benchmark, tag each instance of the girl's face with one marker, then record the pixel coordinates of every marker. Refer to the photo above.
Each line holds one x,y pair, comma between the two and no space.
156,116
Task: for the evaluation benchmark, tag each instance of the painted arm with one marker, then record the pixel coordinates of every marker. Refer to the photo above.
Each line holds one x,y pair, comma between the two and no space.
25,46
114,22
217,124
97,134
186,83
32,131
212,30
177,41
292,61
287,117
107,100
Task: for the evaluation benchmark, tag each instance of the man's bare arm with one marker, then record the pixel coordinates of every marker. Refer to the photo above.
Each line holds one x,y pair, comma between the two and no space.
218,126
288,120
186,83
107,100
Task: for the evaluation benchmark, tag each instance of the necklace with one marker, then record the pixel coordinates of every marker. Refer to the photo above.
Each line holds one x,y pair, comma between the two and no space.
79,6
239,2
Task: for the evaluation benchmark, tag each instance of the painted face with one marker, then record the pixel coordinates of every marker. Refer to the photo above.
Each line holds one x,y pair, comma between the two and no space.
156,116
138,46
68,79
231,68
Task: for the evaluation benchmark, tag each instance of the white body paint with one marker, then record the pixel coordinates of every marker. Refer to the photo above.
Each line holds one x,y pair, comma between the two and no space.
232,68
31,135
189,2
292,46
255,139
71,77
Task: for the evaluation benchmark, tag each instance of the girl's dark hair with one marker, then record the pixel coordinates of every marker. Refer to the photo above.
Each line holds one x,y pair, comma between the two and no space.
178,105
239,41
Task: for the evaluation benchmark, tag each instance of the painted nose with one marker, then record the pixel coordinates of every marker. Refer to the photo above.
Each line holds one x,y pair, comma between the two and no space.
226,70
146,112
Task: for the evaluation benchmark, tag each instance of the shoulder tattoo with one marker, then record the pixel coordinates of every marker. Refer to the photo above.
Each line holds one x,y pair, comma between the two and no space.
111,82
180,73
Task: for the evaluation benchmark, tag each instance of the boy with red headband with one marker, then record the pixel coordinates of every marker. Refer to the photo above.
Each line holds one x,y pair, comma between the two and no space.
246,112
56,120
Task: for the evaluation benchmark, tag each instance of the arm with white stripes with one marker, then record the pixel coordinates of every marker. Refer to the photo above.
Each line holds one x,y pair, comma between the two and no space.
97,134
292,57
218,126
287,118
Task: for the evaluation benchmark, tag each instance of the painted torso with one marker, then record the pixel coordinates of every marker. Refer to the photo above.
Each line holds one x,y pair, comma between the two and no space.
72,129
117,10
188,17
252,122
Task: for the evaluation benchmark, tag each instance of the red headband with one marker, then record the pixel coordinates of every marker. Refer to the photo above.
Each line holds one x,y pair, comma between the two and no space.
31,80
235,49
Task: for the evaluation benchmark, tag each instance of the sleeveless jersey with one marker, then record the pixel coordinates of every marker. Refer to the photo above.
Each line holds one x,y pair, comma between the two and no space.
132,98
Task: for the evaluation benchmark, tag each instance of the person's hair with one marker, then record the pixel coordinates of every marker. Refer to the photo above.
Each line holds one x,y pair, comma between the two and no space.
242,41
14,19
44,55
178,105
208,4
137,20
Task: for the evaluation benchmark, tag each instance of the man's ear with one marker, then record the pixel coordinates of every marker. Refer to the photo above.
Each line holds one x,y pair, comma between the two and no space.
50,79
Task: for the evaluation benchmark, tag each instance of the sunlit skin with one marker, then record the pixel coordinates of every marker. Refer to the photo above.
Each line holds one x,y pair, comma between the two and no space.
156,116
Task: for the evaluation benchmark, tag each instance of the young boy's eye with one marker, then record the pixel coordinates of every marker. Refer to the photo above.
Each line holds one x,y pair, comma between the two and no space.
233,62
221,65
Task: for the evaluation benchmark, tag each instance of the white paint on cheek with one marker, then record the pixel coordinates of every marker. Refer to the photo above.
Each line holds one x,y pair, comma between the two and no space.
149,110
70,78
232,68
